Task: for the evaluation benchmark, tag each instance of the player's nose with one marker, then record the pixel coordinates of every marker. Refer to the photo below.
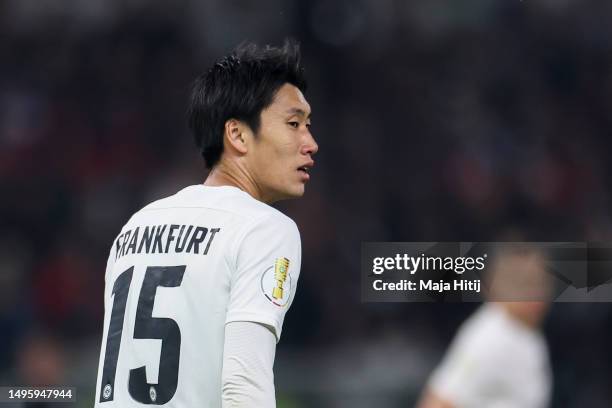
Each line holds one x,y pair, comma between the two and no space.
310,146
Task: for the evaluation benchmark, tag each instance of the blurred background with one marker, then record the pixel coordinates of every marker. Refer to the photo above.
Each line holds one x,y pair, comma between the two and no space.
436,120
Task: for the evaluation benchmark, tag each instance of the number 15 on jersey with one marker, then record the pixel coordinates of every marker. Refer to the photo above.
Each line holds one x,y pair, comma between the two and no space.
145,327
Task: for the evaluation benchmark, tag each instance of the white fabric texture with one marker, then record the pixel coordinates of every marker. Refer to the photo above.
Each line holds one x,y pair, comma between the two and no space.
266,240
495,361
239,261
248,358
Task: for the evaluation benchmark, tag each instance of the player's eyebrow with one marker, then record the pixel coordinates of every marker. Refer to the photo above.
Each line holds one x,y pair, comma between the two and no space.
300,112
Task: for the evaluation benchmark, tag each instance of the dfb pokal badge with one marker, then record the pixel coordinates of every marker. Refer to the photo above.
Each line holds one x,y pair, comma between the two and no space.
276,282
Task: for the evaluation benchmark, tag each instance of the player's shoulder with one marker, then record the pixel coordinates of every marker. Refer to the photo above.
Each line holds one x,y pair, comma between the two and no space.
492,330
261,216
482,329
228,200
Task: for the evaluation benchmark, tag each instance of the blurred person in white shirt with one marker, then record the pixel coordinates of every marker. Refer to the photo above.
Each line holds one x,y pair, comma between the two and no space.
499,357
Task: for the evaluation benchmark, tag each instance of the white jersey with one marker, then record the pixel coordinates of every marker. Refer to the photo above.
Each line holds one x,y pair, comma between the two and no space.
181,268
495,362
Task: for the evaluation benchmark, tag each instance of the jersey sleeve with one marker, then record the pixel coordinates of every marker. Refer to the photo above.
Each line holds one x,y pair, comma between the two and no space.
248,357
265,272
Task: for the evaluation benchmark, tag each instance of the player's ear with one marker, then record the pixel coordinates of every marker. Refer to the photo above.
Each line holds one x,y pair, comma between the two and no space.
235,135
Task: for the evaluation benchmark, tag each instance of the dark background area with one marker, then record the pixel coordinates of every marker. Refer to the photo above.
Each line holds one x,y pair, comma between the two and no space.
436,121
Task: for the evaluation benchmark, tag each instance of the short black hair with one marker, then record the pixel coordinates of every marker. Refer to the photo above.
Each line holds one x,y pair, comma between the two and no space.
239,86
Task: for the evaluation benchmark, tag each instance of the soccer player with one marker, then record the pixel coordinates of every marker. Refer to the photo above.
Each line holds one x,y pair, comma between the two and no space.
499,358
198,283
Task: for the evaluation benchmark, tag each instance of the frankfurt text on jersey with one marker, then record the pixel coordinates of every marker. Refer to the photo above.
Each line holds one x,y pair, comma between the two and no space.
159,239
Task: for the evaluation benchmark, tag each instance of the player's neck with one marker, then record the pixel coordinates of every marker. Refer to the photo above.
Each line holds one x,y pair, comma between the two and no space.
224,175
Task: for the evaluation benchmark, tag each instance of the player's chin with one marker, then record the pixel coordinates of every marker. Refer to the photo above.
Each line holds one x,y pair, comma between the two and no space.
288,193
296,191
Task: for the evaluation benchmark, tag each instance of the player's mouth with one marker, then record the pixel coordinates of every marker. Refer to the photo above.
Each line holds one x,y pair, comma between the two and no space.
303,170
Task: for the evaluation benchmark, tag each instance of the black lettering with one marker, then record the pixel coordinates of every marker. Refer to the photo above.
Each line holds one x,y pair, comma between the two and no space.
147,237
212,235
198,237
133,242
171,236
126,238
179,248
118,246
157,244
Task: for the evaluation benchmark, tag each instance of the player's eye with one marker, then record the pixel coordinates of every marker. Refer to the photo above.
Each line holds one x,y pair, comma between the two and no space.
308,125
294,124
